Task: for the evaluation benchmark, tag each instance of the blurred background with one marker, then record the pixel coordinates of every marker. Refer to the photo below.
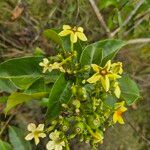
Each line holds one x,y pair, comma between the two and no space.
22,23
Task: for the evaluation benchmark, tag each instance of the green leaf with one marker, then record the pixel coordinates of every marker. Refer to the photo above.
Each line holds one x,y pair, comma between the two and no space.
7,86
53,35
60,93
110,100
110,49
20,73
18,98
16,137
129,90
100,52
3,99
107,3
4,145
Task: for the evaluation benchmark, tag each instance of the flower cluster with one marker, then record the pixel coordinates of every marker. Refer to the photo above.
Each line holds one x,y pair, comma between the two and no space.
36,133
86,115
110,72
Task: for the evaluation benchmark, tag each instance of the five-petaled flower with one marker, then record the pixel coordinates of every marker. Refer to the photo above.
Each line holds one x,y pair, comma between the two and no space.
75,33
36,132
117,116
56,143
47,66
103,74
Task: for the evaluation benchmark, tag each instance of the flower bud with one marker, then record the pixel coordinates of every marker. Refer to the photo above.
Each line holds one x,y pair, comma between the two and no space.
74,89
65,126
76,103
93,122
79,127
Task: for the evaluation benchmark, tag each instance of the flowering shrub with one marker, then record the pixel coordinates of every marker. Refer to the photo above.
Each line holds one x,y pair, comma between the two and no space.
83,89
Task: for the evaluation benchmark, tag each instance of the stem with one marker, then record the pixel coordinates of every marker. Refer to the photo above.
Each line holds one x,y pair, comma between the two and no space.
71,46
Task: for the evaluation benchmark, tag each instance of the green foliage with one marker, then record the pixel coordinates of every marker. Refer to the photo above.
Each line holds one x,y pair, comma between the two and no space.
19,73
52,35
60,93
100,52
130,92
17,140
5,145
79,86
18,98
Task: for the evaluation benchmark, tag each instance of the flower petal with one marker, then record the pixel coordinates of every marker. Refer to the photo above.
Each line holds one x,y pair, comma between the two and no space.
31,127
36,139
95,67
80,29
66,27
108,65
50,145
54,135
45,61
105,82
94,78
42,135
81,36
73,37
117,91
65,32
120,120
115,117
58,147
29,137
123,109
40,127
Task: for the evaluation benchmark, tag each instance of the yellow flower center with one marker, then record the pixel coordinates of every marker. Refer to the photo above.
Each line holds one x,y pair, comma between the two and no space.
36,133
103,72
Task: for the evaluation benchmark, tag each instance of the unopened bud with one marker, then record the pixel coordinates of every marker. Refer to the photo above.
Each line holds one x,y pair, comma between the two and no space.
64,105
79,127
76,103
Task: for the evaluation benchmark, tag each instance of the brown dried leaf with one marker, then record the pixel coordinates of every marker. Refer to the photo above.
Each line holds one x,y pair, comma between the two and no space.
16,13
49,1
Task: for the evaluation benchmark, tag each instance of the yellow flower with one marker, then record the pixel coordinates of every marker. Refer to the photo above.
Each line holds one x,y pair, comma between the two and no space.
103,74
75,33
117,116
117,68
56,143
56,66
117,90
44,64
36,132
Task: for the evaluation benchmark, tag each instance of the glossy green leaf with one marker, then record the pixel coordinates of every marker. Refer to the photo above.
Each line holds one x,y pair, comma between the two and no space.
129,90
110,49
18,98
20,73
5,146
16,137
53,35
100,52
7,86
60,93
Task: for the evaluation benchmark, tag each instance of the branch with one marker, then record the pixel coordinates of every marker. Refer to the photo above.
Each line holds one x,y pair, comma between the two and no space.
128,18
142,40
100,17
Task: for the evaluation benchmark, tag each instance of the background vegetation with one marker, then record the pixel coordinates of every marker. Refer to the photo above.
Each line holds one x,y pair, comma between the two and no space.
22,24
